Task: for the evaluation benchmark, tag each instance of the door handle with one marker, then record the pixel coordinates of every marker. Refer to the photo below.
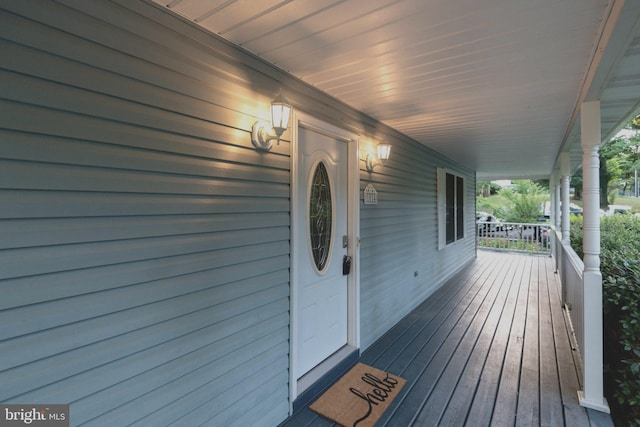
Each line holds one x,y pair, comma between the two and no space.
346,265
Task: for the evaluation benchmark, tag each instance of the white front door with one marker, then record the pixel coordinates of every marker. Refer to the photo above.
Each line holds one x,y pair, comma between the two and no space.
321,234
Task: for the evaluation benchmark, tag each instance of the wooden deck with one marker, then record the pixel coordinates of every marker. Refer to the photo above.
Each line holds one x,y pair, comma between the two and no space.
490,348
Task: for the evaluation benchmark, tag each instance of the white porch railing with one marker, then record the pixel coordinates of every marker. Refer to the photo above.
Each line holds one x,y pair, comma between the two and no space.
514,237
570,268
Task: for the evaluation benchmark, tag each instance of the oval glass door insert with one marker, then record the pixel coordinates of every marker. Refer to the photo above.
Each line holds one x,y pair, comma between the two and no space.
320,217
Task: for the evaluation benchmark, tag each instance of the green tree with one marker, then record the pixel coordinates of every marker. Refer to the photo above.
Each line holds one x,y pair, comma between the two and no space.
630,161
543,183
483,188
610,170
525,199
619,158
614,172
576,183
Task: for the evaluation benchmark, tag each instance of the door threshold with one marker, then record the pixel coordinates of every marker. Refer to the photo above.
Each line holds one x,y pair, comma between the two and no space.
318,379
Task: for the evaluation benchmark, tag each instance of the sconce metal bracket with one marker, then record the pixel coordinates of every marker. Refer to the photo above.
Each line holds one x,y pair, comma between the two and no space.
370,162
261,135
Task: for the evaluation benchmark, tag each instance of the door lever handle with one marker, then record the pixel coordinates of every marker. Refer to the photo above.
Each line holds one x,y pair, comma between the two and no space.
346,265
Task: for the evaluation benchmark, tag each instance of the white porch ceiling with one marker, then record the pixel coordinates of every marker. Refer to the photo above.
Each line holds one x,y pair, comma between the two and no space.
493,84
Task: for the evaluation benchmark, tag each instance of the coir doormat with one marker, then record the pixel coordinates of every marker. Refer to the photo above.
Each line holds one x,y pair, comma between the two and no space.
360,397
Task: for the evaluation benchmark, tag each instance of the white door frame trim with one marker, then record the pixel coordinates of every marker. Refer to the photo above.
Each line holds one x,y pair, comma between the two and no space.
306,121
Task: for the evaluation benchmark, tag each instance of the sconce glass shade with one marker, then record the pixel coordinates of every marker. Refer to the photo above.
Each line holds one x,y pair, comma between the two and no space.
262,134
383,152
280,112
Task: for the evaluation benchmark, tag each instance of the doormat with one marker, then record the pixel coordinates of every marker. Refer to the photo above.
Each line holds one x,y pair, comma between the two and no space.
360,397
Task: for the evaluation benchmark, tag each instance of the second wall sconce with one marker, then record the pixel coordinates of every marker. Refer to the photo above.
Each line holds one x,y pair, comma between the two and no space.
262,133
383,155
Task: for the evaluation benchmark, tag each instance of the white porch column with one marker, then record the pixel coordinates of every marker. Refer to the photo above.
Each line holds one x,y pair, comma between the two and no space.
552,198
565,171
556,197
593,394
554,193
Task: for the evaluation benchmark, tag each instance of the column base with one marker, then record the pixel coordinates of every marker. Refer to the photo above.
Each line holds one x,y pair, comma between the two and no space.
601,406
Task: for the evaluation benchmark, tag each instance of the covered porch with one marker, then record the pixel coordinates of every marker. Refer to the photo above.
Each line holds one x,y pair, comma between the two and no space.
491,347
149,274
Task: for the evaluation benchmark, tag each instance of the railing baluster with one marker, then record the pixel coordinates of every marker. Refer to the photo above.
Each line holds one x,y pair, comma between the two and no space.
511,236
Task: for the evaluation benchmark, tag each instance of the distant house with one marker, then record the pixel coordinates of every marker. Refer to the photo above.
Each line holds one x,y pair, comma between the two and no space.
505,183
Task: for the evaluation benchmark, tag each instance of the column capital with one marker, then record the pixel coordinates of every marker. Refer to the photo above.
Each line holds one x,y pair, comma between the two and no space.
565,164
590,125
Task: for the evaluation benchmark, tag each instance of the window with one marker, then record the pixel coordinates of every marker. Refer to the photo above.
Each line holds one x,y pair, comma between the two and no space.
320,217
450,207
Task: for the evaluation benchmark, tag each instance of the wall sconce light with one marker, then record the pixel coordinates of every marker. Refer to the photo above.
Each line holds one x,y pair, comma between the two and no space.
262,133
383,155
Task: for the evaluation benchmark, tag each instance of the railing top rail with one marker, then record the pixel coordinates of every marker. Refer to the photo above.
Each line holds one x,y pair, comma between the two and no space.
527,224
514,236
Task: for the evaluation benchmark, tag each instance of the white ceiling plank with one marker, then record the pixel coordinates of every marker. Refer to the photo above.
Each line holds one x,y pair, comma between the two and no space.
467,78
238,14
195,9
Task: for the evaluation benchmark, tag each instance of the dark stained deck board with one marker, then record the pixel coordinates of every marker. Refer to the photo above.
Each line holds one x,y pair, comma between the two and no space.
428,317
472,344
551,412
423,345
481,375
550,398
507,397
424,367
528,409
483,401
428,365
490,348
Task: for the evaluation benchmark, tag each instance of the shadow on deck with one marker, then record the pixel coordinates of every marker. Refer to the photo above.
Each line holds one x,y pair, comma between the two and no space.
490,348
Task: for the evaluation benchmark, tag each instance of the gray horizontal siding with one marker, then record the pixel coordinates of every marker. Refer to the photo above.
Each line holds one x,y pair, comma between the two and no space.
399,257
145,241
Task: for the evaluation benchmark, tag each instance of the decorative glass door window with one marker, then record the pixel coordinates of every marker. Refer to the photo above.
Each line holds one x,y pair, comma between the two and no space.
320,217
